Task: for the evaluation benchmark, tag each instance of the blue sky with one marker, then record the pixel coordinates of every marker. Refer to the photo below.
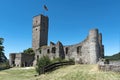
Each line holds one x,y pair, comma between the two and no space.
69,22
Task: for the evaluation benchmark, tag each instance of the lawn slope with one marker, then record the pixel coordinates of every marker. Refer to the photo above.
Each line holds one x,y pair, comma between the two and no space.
80,72
73,72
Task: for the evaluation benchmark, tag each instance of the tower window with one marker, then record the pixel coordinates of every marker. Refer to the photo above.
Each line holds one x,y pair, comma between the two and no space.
53,50
36,29
13,62
66,49
37,57
36,22
79,50
48,51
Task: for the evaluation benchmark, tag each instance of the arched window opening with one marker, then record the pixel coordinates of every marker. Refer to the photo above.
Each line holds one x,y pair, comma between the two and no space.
66,50
53,50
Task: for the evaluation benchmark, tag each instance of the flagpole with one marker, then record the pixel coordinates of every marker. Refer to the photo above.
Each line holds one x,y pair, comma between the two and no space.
44,8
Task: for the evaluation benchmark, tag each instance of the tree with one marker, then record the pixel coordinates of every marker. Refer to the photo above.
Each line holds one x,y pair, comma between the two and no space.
29,51
2,56
1,41
1,47
45,60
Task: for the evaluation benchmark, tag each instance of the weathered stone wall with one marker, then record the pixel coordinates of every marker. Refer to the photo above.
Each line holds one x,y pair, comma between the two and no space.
27,59
87,52
109,67
94,46
53,51
12,59
18,60
21,59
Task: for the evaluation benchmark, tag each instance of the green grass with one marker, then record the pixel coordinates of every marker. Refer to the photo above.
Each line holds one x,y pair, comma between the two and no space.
17,74
74,72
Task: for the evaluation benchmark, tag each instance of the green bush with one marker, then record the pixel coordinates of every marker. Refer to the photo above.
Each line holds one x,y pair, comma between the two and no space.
57,60
45,60
4,65
71,60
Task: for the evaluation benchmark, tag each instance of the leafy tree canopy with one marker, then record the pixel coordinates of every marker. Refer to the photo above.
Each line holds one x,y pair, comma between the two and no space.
29,51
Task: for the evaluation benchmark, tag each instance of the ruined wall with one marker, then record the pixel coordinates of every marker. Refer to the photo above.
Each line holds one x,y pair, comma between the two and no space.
21,59
94,47
53,51
27,59
18,60
87,52
12,59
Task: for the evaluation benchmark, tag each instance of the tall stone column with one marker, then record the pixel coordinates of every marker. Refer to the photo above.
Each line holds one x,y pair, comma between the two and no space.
93,46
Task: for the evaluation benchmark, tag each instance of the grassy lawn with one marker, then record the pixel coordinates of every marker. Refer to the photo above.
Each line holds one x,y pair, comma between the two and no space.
74,72
17,74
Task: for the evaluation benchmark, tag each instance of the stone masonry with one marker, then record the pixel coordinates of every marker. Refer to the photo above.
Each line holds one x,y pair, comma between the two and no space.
21,60
86,52
39,31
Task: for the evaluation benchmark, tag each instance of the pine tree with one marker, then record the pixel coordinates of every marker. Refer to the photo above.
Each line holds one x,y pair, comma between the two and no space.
2,56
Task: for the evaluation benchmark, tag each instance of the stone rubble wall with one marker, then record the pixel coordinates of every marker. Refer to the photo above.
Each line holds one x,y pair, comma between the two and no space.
108,67
112,66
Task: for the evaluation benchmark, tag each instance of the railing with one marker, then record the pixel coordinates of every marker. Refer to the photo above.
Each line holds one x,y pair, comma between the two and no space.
54,66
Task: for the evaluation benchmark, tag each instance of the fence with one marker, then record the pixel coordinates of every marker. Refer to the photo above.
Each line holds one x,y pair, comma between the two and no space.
54,66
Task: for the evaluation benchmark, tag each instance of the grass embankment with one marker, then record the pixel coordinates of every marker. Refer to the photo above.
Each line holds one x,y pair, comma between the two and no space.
17,74
74,72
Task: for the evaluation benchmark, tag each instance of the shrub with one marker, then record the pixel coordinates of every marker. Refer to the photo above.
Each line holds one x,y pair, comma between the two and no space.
4,65
45,60
72,60
57,60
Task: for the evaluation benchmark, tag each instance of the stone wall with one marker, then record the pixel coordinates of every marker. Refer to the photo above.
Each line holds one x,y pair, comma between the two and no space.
21,59
87,52
109,66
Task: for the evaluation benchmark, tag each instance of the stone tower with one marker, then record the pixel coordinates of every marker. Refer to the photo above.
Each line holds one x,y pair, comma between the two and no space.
39,31
94,46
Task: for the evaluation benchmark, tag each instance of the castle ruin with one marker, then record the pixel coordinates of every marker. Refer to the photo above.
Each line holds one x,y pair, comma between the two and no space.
87,52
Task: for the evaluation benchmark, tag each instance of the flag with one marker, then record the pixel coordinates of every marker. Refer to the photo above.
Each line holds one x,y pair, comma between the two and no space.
45,7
